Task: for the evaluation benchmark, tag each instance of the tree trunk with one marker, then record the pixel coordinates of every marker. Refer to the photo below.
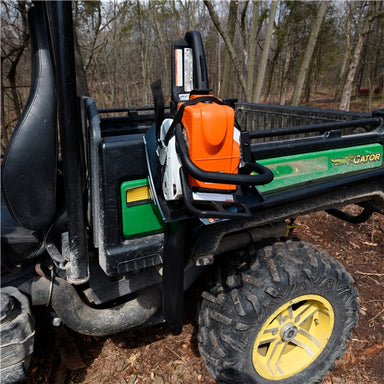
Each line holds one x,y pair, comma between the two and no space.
244,30
376,70
308,54
4,131
265,54
308,83
272,75
231,50
345,98
231,29
287,63
81,78
252,50
343,68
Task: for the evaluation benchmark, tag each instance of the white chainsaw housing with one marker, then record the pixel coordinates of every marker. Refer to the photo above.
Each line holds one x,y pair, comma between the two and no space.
171,178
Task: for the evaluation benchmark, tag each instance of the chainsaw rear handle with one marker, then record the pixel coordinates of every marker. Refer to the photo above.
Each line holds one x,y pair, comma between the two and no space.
264,175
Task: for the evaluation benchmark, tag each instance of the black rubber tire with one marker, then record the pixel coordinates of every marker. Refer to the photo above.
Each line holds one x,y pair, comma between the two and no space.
233,313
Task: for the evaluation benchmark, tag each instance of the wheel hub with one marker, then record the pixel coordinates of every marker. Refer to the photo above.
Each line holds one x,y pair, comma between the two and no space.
293,337
288,332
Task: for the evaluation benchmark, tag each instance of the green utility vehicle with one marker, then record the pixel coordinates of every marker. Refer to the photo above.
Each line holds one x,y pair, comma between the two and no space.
111,230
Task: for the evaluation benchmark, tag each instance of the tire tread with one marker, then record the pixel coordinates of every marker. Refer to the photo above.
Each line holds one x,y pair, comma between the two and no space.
230,311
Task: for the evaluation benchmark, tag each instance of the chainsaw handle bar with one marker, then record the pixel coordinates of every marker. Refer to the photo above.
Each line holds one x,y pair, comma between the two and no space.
264,175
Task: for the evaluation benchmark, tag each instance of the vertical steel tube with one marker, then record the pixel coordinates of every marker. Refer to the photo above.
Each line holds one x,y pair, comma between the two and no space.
59,15
173,276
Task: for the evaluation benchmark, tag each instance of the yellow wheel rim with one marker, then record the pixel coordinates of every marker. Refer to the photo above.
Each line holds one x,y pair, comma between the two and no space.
293,337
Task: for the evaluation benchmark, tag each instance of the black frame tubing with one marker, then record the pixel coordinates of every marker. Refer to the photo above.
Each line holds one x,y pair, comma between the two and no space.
271,149
372,122
59,15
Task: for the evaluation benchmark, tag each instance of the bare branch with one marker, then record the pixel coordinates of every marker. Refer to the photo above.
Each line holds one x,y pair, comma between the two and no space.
231,50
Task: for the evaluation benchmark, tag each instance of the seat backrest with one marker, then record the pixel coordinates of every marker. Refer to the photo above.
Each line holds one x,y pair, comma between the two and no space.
29,167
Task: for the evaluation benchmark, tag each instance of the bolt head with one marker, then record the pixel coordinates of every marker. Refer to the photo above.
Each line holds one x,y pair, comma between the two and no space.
57,322
288,332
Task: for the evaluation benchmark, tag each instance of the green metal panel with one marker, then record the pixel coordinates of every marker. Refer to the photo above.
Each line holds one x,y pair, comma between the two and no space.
292,171
139,213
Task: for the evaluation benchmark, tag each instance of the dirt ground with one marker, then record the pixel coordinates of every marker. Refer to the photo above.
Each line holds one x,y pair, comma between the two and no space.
155,356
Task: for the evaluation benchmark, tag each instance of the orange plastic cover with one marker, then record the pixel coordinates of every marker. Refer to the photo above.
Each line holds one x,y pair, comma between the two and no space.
212,146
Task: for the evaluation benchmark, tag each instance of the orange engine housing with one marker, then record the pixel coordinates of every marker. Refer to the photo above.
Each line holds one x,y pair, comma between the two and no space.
214,144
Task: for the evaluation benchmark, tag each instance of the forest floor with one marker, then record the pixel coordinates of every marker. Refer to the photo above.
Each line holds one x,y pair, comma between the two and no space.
154,355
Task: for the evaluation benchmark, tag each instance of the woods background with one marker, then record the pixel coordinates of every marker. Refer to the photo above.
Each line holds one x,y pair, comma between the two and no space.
281,52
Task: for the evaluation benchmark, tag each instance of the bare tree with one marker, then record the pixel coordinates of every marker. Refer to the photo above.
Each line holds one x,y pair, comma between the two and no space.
229,45
230,30
265,54
351,7
371,13
252,49
308,53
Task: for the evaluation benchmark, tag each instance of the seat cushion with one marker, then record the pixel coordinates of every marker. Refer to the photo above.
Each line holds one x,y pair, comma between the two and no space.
18,244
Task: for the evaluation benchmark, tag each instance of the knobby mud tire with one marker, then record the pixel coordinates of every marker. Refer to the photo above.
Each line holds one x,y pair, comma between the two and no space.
238,310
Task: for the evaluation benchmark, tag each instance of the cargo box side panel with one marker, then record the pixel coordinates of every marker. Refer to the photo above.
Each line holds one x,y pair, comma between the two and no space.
308,168
122,159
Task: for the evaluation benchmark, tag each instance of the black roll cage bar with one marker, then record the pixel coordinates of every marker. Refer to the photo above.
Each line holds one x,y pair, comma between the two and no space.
60,30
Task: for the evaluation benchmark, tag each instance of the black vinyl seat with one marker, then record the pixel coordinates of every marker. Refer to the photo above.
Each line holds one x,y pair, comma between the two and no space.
29,167
18,244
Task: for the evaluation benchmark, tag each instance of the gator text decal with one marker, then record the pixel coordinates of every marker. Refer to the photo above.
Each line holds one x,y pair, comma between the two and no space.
356,159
